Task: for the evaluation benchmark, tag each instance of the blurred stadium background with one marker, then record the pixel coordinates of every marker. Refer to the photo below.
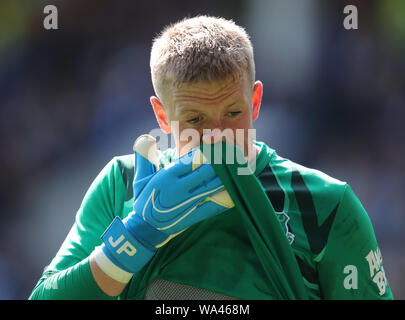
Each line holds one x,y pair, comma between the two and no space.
72,98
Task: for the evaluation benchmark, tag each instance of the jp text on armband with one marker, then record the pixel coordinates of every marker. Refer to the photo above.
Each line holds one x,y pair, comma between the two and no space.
123,249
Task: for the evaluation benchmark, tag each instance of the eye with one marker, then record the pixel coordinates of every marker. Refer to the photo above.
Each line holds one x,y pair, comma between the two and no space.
194,120
234,113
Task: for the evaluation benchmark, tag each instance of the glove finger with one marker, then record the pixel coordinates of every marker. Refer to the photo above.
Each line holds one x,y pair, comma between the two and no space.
188,173
146,161
197,181
205,186
205,174
187,163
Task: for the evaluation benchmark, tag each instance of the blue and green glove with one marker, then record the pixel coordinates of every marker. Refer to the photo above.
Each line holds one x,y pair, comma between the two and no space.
166,202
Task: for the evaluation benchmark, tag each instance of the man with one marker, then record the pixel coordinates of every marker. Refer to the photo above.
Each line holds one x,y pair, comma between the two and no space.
163,226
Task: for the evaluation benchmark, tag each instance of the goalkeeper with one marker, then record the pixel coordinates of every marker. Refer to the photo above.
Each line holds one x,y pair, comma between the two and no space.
170,225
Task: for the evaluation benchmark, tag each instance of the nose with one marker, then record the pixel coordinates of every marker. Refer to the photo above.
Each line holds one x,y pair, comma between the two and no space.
212,128
215,124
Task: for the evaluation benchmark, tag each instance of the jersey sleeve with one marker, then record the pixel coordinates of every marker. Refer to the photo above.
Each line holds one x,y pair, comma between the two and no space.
350,266
68,276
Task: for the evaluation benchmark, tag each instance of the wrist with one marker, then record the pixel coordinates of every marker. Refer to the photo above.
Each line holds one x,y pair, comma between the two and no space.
108,267
121,254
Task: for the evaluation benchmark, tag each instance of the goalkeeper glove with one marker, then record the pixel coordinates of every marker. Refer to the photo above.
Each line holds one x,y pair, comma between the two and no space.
166,202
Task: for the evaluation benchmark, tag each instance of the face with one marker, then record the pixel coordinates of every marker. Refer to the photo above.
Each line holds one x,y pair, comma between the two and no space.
225,107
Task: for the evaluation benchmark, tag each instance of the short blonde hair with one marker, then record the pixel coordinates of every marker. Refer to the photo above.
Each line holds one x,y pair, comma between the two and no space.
200,49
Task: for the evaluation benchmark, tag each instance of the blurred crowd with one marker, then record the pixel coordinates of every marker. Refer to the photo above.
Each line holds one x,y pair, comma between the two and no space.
334,99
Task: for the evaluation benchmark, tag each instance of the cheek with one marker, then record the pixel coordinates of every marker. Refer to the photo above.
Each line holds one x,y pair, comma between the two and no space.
241,130
242,122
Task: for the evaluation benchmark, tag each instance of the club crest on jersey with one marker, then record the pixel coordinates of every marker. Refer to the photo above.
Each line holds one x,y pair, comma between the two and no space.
284,218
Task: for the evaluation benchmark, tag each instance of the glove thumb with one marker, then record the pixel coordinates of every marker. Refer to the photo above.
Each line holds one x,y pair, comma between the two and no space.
222,197
146,161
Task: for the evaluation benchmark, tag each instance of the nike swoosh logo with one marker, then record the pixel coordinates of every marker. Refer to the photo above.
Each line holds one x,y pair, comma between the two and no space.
151,199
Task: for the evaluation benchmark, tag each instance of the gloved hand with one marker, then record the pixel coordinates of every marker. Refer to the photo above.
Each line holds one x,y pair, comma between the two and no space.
166,202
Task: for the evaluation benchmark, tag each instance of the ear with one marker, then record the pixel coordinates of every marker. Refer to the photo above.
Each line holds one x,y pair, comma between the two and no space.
257,99
161,115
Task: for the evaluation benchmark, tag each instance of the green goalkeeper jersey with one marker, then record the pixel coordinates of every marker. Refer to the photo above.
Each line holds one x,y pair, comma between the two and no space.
327,228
